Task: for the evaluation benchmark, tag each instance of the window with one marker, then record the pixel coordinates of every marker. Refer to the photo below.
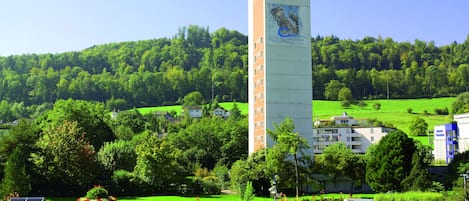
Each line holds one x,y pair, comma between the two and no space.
372,138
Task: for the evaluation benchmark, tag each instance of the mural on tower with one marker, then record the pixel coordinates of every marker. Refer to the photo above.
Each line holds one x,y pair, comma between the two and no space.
284,24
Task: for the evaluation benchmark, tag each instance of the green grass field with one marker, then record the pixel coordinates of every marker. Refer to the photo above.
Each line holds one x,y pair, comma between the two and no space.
224,197
243,107
392,111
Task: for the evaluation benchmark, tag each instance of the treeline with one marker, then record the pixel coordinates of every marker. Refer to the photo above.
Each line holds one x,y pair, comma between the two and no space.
375,68
77,145
143,73
161,71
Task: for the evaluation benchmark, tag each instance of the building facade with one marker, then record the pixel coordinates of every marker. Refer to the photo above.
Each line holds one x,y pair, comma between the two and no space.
451,139
348,130
463,131
445,142
280,79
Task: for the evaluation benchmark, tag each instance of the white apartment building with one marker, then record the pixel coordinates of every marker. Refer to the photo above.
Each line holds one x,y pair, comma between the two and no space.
451,139
346,129
463,131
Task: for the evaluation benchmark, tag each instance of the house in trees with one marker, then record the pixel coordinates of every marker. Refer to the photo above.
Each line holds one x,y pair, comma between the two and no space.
220,112
194,111
356,134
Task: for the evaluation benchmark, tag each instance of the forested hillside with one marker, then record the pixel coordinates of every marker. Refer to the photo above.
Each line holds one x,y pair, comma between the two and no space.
161,71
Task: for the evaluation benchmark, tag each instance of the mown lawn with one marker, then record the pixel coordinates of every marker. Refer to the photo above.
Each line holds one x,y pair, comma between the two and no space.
227,197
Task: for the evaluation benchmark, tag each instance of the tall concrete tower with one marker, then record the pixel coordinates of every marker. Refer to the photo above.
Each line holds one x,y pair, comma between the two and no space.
280,77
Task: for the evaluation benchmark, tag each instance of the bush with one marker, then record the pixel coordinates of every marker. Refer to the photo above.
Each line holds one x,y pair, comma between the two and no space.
211,186
443,111
409,110
97,192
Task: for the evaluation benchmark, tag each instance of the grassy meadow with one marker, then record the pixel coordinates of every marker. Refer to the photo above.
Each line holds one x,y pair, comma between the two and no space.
392,111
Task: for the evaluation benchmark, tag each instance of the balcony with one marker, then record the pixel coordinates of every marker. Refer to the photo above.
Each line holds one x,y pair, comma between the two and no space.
354,143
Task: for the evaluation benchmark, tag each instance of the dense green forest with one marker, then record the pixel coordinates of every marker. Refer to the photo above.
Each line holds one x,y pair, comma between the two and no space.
161,71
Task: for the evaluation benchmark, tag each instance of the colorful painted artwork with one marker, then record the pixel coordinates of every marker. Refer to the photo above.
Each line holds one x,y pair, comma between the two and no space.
287,20
285,24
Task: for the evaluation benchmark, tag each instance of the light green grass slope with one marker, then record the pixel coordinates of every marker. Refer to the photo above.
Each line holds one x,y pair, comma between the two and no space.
392,111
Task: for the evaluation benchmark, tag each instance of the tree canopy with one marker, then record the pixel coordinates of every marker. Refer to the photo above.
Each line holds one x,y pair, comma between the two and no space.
390,162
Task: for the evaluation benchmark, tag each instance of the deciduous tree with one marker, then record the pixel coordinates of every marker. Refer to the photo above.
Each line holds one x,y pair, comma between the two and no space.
288,144
418,126
65,157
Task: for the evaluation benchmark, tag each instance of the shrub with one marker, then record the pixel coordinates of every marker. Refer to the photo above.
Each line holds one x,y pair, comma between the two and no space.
124,183
97,192
441,111
409,110
211,186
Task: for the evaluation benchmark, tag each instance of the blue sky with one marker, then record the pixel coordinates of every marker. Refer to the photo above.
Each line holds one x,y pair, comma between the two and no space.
52,26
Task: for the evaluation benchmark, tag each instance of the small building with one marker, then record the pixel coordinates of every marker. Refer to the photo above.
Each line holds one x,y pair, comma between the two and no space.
220,112
194,111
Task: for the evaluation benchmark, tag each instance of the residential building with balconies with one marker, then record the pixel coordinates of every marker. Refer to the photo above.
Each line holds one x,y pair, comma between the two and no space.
356,134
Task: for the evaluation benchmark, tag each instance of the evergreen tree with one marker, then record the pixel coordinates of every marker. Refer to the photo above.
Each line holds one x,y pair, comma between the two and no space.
16,180
390,162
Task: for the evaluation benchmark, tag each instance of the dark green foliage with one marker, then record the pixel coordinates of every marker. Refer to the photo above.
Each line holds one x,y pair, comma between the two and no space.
461,104
362,104
459,165
131,119
211,140
193,98
442,111
338,161
16,179
118,104
409,110
125,183
162,71
332,89
419,177
377,106
390,162
97,192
